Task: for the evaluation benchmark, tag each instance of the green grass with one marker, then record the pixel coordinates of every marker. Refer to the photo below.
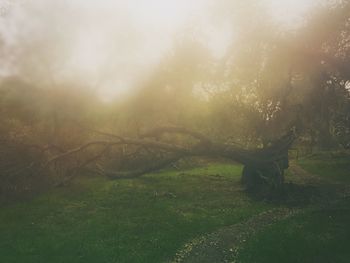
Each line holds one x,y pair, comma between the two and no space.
333,166
150,218
140,220
316,236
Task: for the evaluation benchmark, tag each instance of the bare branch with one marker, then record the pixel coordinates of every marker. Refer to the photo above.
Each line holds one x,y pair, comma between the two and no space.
173,129
115,136
139,172
126,141
205,148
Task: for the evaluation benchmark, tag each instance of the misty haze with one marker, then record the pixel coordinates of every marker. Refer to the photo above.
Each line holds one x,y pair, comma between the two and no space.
174,131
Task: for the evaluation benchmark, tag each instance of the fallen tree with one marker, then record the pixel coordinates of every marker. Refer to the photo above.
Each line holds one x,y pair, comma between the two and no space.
262,167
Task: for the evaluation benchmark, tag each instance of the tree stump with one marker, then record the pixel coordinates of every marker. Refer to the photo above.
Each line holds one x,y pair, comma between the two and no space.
265,176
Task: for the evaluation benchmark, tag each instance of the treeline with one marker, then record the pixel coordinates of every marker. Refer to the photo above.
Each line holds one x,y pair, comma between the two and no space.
269,81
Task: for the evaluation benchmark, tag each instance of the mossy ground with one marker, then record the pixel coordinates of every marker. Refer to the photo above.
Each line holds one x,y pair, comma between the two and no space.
141,220
151,218
322,232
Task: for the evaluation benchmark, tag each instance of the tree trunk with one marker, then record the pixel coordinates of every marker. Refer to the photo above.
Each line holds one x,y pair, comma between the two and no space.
263,168
268,176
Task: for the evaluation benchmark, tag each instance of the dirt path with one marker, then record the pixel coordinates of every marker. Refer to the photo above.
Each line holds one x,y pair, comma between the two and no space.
224,244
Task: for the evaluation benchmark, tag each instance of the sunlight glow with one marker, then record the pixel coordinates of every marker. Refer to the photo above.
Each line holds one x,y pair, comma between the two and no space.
289,13
112,43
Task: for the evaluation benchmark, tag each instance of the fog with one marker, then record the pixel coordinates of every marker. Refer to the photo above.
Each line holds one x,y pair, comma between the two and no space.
129,130
112,46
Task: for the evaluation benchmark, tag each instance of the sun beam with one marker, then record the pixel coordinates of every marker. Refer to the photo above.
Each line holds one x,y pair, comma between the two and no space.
115,42
289,13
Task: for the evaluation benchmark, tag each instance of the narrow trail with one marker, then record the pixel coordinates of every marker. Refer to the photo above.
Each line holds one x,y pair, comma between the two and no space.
224,244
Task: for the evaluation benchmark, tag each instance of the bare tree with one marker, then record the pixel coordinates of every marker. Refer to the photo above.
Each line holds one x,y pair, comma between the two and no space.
262,167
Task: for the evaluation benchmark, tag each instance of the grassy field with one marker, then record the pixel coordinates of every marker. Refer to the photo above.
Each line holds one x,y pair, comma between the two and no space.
332,166
317,235
141,220
150,218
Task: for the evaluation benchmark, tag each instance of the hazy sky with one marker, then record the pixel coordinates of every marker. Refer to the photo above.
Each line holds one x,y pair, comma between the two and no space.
111,44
